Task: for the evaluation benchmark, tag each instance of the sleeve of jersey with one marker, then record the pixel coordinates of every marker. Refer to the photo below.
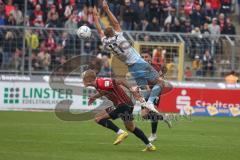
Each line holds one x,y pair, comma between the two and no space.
119,33
105,84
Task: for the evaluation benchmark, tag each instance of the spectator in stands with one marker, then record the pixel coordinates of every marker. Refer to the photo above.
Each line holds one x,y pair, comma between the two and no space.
229,28
185,26
66,44
11,20
69,10
50,43
141,12
106,70
90,15
53,21
196,31
205,30
214,28
171,23
32,40
128,15
197,17
9,7
27,21
207,62
71,24
188,6
153,26
9,47
32,5
15,62
146,38
44,59
163,11
215,4
83,13
52,13
35,62
221,21
188,73
17,14
158,56
2,20
2,7
226,6
231,78
154,10
104,19
208,13
38,16
84,21
196,65
182,16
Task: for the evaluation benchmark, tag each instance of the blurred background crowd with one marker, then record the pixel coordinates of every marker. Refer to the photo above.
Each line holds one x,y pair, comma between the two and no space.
196,17
205,16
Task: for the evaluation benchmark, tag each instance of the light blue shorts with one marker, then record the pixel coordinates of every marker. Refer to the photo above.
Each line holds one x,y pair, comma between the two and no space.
143,72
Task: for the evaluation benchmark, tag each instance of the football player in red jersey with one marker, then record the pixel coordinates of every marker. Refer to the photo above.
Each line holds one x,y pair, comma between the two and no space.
123,106
154,117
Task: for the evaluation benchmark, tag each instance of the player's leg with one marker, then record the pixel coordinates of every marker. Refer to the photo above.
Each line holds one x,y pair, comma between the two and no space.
140,71
127,118
114,114
154,124
103,119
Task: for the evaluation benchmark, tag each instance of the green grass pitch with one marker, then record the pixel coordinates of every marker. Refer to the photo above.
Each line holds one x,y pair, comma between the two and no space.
41,136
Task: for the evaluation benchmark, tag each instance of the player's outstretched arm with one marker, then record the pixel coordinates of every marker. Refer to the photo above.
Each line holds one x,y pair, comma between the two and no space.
96,22
94,97
113,19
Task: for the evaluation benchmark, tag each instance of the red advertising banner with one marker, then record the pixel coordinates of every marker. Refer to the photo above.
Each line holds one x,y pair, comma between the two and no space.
219,102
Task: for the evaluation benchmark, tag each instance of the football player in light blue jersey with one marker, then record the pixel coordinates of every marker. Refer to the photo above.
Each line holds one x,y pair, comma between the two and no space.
114,42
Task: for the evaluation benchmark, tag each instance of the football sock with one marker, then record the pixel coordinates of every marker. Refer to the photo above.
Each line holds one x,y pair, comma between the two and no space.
120,131
108,124
154,125
139,133
156,90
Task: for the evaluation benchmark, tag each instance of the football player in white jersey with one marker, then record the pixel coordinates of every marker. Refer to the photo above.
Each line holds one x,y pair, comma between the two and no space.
114,42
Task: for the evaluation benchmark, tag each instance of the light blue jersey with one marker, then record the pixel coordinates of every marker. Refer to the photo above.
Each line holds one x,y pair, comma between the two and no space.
120,47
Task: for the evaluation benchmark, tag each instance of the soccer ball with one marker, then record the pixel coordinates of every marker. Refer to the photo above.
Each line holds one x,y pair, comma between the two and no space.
84,32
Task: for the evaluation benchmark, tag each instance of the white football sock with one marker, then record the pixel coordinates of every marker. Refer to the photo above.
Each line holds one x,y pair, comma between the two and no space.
120,131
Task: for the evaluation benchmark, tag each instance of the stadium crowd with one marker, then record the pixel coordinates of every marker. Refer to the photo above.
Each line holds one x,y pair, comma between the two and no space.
197,17
205,16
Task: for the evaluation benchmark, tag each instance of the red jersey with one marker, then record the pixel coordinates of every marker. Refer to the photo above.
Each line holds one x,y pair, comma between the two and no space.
115,93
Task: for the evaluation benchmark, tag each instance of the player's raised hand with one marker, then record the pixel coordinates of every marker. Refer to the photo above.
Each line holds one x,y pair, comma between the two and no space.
105,5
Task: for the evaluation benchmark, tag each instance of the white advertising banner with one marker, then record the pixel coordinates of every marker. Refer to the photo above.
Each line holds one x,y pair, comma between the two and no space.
39,95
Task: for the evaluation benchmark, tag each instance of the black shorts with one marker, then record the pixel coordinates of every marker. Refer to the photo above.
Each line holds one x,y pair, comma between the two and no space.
122,111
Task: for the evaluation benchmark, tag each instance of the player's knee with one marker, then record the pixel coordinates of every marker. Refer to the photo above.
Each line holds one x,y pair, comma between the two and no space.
144,113
130,128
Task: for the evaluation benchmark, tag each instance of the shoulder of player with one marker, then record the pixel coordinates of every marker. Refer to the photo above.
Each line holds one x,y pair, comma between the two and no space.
105,83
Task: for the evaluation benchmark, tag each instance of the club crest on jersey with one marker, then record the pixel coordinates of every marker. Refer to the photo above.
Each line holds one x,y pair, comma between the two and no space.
107,83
